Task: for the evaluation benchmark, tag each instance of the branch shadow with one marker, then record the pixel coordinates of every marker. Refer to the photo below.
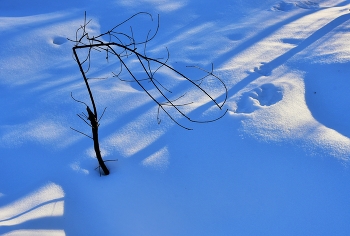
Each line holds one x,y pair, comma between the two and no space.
267,68
269,31
40,210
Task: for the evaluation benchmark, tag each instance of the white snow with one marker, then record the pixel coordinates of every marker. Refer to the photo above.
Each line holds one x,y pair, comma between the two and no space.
276,164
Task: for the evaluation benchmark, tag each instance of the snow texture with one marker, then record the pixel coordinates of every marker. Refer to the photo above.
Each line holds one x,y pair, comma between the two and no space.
276,164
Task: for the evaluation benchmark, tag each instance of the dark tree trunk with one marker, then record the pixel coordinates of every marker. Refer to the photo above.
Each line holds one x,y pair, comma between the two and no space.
94,126
92,116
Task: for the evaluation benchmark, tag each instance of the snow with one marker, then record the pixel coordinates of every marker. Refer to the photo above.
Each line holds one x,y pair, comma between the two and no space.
275,164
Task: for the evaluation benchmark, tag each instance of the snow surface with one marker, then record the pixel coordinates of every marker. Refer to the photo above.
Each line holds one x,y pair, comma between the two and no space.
276,164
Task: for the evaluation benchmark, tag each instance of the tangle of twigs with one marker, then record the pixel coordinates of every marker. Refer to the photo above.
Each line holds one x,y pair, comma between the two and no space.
124,46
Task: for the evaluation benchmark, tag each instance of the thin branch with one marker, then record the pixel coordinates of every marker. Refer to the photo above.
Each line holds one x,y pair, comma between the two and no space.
137,54
81,132
71,94
102,115
84,119
211,73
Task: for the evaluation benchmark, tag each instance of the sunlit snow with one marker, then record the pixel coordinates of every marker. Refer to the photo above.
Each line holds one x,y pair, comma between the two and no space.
275,164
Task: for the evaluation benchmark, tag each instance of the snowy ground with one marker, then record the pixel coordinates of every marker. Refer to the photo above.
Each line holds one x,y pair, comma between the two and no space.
276,164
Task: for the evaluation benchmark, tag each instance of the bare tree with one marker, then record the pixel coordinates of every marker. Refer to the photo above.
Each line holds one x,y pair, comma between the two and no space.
123,47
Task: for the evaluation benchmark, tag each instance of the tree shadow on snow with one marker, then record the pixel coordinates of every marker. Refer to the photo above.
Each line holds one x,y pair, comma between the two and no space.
44,211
